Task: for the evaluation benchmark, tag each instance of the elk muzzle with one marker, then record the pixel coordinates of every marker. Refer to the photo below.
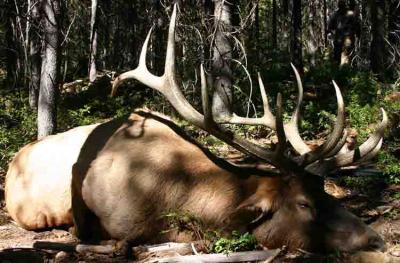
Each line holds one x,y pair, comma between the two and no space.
346,232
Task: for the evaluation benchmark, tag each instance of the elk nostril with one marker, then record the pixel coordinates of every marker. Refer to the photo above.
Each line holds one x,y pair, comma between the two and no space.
377,243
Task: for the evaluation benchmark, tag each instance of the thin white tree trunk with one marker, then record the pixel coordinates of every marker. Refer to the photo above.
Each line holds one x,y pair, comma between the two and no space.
34,58
93,43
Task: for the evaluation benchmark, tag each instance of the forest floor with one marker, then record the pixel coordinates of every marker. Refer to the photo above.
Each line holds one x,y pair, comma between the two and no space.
380,208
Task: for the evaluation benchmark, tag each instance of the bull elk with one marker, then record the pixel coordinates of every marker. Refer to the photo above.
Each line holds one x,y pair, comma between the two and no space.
116,179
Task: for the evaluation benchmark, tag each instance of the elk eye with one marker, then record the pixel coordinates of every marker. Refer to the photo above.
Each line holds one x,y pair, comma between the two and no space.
303,205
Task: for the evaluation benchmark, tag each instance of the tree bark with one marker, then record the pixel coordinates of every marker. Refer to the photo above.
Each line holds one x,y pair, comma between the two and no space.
377,51
257,23
325,18
93,42
222,54
313,29
11,51
394,32
35,58
274,25
285,7
208,7
394,22
50,68
296,45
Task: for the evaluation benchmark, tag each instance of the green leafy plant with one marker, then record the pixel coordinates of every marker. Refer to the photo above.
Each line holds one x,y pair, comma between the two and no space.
390,167
17,126
237,242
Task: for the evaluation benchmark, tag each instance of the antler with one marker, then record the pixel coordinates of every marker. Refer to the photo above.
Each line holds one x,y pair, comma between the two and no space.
318,161
168,86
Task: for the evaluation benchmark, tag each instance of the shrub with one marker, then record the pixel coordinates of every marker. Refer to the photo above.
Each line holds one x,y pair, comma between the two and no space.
17,126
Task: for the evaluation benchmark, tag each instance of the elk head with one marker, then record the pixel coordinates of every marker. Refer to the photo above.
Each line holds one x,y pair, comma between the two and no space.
301,214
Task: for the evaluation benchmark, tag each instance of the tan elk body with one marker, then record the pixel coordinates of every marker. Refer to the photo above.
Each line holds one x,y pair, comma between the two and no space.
128,172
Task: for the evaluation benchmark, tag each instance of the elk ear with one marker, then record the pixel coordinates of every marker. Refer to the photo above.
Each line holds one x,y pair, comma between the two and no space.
254,208
257,202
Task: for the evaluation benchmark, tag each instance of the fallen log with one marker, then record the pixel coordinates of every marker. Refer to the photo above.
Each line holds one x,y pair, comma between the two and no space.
231,257
79,248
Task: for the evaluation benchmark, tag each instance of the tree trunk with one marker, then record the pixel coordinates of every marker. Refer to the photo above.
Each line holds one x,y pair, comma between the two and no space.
50,68
285,27
394,22
222,54
107,29
35,59
377,51
285,7
313,30
325,18
274,25
159,39
208,7
296,45
364,37
10,50
394,32
93,43
257,23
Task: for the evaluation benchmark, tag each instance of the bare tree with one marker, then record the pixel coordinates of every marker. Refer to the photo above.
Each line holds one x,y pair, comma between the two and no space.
50,68
93,42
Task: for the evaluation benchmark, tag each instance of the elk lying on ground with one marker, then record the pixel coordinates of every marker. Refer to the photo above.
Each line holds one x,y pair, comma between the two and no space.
126,173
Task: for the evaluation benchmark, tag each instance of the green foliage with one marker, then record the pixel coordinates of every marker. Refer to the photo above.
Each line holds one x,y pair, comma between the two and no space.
316,120
17,126
237,242
392,214
364,99
390,167
364,183
180,221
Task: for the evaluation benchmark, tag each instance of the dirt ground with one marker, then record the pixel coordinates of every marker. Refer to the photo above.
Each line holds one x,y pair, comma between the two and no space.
378,209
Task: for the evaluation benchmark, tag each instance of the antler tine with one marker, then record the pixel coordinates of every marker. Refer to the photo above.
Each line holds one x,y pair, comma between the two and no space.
141,73
267,120
338,146
366,151
372,153
291,128
205,99
335,136
280,149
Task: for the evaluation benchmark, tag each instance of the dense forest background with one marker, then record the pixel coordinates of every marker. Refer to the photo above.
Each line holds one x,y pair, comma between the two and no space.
58,59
